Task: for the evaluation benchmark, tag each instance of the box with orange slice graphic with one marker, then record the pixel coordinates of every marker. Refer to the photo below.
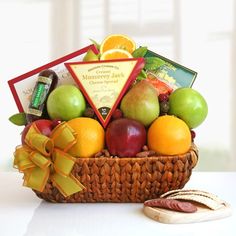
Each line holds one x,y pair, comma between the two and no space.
107,134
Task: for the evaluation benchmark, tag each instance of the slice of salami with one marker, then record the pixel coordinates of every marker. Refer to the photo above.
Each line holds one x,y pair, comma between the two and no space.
186,207
175,205
171,204
158,202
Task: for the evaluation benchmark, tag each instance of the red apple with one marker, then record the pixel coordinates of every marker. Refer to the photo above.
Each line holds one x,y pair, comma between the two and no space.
44,126
55,123
125,137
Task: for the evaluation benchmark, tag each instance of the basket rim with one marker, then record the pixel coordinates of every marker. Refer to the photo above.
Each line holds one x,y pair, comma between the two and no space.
193,149
192,154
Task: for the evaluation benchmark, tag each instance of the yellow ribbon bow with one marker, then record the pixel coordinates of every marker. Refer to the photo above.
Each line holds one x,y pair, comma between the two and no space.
42,158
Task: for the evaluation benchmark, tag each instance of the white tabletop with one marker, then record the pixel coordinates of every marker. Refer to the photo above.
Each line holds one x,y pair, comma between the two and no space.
22,213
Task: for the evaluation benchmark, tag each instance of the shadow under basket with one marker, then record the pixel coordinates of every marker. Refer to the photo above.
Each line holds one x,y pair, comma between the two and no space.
130,179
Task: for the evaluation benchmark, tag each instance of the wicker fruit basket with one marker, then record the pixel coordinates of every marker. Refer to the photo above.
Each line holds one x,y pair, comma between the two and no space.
126,179
107,104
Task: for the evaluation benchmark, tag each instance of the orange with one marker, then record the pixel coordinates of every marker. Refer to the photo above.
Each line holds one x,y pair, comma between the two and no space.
169,135
90,137
115,54
117,41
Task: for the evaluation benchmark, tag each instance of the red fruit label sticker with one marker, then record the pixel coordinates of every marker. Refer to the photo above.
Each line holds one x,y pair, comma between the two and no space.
103,83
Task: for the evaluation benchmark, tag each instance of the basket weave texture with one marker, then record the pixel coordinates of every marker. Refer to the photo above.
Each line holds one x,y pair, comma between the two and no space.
126,179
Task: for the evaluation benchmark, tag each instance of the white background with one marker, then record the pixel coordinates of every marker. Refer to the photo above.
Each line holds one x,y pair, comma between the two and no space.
200,34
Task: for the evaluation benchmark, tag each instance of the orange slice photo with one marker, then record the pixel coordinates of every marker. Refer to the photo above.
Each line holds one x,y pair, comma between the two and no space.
115,54
117,41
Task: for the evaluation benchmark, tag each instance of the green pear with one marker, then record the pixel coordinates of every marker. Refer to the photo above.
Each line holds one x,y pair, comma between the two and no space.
91,56
141,103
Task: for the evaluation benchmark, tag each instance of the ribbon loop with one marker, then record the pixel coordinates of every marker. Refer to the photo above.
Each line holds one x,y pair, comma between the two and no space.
39,160
36,178
63,162
67,185
21,160
41,143
63,136
36,140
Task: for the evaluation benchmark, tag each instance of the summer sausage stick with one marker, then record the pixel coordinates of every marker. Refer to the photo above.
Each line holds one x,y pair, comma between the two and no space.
172,205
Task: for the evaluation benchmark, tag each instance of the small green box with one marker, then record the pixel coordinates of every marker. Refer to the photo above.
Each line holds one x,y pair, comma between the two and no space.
170,75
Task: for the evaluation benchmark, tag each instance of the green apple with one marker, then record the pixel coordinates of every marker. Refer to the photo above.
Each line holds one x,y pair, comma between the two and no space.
189,105
65,103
